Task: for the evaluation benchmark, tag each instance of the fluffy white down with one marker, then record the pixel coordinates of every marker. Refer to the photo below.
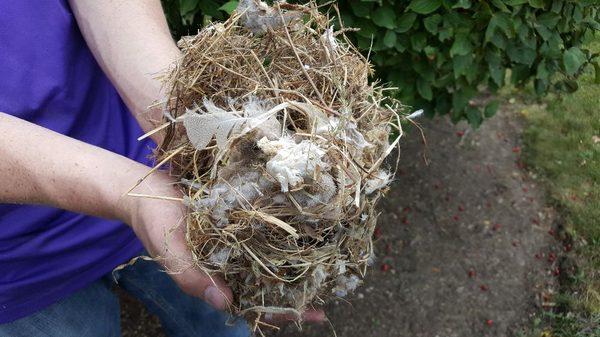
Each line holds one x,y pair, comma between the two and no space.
379,181
346,284
220,257
240,191
291,161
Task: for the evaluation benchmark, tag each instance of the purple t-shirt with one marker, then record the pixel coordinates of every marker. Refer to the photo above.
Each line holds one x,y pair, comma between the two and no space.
49,77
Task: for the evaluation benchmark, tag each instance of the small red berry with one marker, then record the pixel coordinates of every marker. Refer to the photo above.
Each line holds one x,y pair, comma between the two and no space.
471,273
385,267
377,233
456,217
551,257
551,231
461,208
568,247
497,227
489,322
460,133
516,149
483,287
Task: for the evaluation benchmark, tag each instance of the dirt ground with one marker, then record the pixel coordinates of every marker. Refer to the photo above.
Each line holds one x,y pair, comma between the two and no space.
464,244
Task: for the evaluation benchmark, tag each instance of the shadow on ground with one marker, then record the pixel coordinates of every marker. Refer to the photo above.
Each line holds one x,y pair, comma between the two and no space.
462,244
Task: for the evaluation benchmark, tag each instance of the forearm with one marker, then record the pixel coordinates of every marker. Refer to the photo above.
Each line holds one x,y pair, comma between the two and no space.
40,166
131,41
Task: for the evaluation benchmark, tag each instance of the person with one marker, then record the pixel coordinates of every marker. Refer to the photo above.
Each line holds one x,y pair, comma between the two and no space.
76,80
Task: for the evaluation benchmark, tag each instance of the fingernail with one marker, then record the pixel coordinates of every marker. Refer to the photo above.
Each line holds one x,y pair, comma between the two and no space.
213,296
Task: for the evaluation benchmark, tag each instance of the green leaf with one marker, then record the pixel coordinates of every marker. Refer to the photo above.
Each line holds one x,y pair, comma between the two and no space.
497,71
536,3
573,59
522,54
499,40
432,22
424,6
544,32
466,4
461,97
570,86
445,33
548,19
402,44
389,39
542,71
500,5
360,8
424,89
367,28
502,21
461,45
431,52
229,7
364,43
384,17
187,6
514,3
425,70
405,22
418,41
557,6
474,116
577,14
210,8
491,108
461,64
540,86
519,73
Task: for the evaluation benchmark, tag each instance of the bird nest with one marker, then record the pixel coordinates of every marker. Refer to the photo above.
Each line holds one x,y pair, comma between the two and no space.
278,140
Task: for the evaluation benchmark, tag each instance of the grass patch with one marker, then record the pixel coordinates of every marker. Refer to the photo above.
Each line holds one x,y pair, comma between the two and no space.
562,145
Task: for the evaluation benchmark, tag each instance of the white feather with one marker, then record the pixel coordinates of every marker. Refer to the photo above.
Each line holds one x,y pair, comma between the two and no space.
202,125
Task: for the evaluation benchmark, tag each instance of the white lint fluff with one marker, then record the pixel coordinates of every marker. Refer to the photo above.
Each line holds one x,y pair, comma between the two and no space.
345,131
220,257
331,44
379,181
326,191
239,191
340,265
346,284
319,275
291,161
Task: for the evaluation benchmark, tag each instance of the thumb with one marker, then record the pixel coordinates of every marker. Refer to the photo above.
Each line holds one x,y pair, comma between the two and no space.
177,259
211,289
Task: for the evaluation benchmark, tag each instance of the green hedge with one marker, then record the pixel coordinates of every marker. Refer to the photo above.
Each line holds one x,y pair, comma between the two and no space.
442,53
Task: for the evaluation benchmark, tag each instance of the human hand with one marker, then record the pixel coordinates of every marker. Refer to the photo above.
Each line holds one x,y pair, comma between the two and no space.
160,225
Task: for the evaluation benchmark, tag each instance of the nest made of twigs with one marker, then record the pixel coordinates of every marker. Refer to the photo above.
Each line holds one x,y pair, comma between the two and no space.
278,140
